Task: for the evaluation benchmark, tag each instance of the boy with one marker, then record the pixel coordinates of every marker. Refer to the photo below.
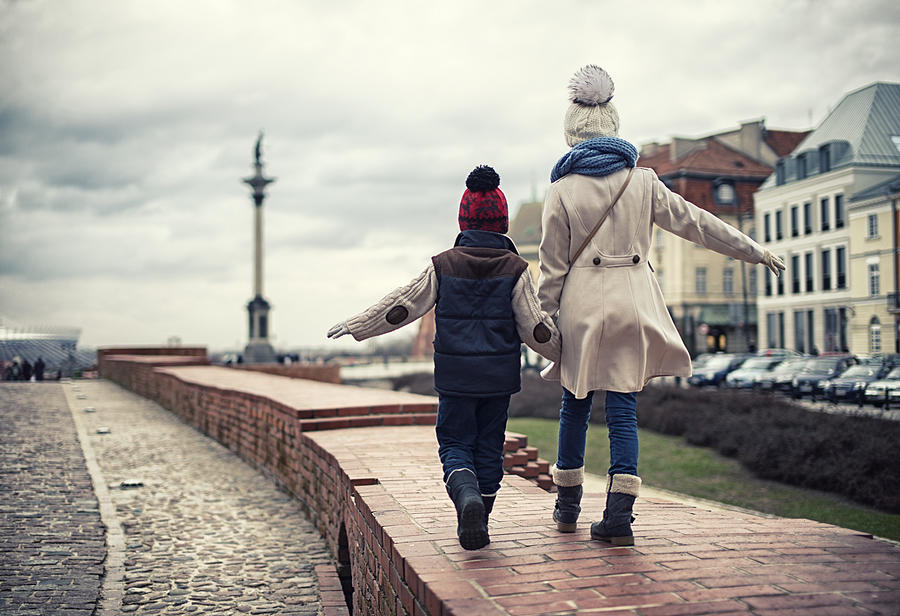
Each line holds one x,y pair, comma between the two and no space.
485,307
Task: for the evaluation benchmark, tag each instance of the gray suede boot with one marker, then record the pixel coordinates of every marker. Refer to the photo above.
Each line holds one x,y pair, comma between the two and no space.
462,486
568,497
615,527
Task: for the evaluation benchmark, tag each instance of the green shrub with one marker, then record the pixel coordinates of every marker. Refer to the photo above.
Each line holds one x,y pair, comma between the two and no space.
853,455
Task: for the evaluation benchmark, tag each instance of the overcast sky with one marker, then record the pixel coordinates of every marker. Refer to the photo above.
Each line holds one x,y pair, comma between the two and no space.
126,127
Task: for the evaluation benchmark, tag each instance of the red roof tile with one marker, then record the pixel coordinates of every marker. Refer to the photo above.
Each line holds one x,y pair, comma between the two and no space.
783,142
714,157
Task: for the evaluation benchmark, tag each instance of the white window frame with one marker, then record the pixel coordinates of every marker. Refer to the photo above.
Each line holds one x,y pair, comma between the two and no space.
872,227
874,278
700,281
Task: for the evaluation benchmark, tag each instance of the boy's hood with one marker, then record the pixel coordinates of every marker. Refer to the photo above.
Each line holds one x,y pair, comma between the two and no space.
484,239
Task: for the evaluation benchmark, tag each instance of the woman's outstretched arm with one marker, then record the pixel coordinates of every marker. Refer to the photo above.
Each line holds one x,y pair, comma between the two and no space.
554,252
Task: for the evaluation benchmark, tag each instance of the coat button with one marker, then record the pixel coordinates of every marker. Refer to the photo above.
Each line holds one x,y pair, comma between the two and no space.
635,259
596,260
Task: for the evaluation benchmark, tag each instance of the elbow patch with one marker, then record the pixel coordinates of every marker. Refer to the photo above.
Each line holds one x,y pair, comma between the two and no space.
541,333
397,315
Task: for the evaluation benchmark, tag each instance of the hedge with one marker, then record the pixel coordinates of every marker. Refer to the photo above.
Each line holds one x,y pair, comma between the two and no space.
857,456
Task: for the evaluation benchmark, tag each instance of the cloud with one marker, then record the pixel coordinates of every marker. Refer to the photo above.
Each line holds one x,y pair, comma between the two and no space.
127,128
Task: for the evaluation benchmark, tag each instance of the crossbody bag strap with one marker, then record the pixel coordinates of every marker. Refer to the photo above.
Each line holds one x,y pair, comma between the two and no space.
603,219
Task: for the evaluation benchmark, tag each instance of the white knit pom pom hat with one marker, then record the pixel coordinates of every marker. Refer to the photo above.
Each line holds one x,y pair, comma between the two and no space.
591,113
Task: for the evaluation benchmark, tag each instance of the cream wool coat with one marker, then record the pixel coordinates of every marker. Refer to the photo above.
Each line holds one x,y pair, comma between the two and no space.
616,331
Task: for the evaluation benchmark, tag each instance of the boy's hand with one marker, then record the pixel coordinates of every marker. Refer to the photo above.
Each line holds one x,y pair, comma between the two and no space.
339,330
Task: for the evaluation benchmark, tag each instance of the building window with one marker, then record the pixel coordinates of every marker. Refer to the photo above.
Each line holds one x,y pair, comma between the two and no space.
841,267
659,238
874,335
872,226
795,222
831,330
824,213
780,328
767,234
768,275
779,283
725,194
826,270
838,211
874,279
801,167
824,159
779,172
810,331
752,283
795,274
728,281
700,280
842,329
771,330
808,258
799,333
779,232
807,218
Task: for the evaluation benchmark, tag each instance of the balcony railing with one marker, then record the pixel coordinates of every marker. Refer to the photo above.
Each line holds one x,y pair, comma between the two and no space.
893,302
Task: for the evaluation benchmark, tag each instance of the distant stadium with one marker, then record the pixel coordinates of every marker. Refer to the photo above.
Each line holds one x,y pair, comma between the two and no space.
58,346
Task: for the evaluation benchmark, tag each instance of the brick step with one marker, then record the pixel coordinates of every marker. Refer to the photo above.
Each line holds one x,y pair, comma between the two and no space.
531,452
515,441
357,411
338,423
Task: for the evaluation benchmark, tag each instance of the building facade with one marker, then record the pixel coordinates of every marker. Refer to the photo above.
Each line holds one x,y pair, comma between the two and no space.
712,298
837,240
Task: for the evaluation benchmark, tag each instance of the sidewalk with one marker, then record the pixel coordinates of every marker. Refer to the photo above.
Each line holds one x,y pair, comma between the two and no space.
52,544
202,532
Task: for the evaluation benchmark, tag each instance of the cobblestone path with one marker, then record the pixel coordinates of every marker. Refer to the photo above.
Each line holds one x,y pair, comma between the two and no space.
52,544
204,533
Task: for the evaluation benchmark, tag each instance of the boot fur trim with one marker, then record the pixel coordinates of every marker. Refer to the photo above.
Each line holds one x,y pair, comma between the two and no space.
625,484
567,478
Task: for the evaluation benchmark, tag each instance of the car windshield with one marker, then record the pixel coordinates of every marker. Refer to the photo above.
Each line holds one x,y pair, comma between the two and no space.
860,371
821,365
893,374
758,363
790,366
718,362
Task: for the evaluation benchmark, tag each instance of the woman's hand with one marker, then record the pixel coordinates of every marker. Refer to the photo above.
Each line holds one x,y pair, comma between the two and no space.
339,330
773,263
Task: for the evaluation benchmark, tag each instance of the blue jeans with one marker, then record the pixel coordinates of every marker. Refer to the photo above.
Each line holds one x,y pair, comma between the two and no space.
470,434
621,419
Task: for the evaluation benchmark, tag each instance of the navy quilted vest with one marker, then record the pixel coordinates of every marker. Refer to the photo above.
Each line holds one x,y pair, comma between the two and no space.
476,345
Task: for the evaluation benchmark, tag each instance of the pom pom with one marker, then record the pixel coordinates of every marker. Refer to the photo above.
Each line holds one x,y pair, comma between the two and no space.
482,179
591,85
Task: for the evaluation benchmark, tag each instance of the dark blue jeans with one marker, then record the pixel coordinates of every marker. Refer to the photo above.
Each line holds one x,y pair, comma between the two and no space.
470,434
621,419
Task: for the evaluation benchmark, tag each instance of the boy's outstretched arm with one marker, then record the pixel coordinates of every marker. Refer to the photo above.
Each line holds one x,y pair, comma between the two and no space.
535,327
401,306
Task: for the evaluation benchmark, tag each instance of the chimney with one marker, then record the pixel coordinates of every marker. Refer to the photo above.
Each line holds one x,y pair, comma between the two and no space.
751,138
650,149
682,146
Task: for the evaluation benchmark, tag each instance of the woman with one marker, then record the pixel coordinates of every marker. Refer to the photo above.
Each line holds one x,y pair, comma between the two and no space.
616,331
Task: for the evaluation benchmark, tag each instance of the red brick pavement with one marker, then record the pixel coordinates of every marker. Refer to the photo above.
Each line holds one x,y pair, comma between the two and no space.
686,560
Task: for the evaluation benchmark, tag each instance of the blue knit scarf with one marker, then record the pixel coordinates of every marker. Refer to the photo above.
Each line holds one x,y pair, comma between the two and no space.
600,156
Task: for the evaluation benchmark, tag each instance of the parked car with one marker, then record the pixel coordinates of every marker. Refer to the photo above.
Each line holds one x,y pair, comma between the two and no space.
781,376
747,375
816,371
885,390
851,384
700,360
714,371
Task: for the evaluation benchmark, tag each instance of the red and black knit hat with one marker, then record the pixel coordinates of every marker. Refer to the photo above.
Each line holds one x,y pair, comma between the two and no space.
483,206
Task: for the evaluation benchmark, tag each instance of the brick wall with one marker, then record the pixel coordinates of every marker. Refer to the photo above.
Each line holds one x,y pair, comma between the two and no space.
327,373
341,496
